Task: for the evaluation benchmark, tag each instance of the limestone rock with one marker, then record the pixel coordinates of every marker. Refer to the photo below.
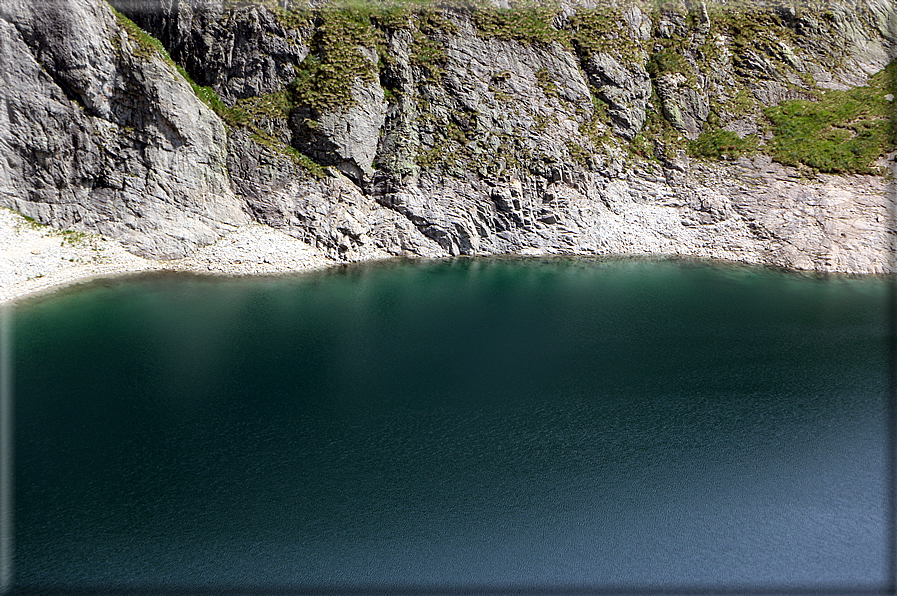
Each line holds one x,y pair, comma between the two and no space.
626,90
243,53
346,136
451,138
247,55
400,143
335,217
75,40
684,106
639,23
116,143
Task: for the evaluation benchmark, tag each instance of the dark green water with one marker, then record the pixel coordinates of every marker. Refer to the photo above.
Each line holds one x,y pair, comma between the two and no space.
460,424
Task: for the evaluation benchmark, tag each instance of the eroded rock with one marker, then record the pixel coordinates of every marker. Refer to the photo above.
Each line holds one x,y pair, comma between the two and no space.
626,90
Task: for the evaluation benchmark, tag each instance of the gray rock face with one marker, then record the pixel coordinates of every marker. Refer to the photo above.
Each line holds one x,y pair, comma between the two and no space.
832,223
684,106
331,214
247,55
172,21
626,91
114,142
83,70
639,23
454,139
346,137
400,143
242,53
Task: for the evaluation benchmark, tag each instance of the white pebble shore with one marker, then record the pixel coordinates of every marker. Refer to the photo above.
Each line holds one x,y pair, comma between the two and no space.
35,258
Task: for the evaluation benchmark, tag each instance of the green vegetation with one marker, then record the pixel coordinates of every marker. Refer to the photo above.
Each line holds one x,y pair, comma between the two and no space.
543,79
595,128
270,105
658,138
641,145
717,144
525,21
343,30
208,96
845,131
147,45
325,77
299,159
246,113
579,154
74,238
30,222
842,132
428,55
598,30
668,61
748,24
252,111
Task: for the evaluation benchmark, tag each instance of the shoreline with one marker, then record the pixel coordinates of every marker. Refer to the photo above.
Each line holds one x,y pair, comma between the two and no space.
36,259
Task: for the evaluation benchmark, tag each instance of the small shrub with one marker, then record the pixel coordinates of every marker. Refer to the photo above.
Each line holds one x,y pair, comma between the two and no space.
599,30
325,77
668,61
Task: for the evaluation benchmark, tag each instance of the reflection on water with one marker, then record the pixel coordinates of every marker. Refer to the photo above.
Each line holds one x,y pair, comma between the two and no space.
468,423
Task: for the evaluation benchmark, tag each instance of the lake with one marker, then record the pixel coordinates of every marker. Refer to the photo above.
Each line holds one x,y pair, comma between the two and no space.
464,426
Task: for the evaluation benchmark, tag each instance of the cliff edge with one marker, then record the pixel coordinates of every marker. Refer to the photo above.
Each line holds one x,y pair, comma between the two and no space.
755,132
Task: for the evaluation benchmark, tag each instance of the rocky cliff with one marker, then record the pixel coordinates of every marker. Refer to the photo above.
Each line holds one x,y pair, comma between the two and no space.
750,131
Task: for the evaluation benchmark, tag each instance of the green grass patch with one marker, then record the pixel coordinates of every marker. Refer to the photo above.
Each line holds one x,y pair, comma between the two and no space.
30,222
325,78
602,29
748,23
262,107
543,79
428,55
525,21
669,60
74,238
579,154
147,45
208,96
722,144
658,138
842,132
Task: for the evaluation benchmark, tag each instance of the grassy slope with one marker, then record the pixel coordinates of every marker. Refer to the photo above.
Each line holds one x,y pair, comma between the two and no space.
843,132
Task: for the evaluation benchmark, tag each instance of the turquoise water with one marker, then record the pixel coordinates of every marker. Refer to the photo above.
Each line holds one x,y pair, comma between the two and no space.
467,425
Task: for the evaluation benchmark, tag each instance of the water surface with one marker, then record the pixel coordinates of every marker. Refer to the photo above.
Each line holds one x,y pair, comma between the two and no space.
459,424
